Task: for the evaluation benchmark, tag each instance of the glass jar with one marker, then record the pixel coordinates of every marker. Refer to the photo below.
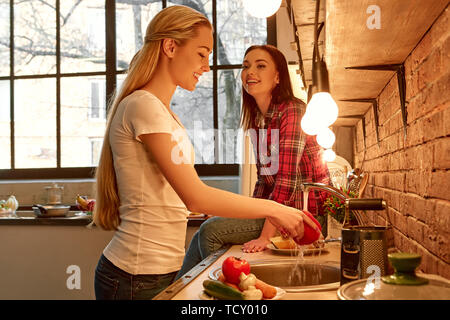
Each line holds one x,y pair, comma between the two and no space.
54,194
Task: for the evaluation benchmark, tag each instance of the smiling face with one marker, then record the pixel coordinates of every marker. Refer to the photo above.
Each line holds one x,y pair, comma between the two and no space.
191,60
259,74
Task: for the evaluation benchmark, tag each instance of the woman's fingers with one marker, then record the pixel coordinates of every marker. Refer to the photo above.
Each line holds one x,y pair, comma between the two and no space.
253,246
294,225
252,250
309,221
290,225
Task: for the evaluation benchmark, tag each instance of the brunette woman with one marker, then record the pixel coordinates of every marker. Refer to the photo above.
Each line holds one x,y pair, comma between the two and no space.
269,109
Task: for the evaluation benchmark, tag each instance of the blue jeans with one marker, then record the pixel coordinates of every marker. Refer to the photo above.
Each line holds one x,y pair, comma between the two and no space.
112,283
214,233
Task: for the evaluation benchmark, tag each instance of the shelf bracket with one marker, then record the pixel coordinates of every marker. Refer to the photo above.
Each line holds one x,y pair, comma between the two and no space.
374,103
401,80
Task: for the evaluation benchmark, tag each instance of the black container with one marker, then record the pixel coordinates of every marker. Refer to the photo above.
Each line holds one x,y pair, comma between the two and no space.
364,248
363,252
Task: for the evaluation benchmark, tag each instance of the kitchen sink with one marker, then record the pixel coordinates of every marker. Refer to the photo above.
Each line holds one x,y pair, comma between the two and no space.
298,276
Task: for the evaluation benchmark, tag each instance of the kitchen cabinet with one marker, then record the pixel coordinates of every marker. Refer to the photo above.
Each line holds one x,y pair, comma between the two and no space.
49,261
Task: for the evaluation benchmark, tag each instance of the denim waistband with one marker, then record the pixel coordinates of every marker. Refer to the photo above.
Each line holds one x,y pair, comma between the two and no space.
108,264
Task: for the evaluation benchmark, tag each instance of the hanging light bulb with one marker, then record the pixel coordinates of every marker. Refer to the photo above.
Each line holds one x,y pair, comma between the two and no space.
322,110
310,122
329,155
262,8
321,105
326,138
308,125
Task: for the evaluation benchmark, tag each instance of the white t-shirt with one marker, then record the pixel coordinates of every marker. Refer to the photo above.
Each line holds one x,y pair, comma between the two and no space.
150,238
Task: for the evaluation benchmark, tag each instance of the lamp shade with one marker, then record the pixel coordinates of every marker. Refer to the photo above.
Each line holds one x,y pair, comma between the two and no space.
262,8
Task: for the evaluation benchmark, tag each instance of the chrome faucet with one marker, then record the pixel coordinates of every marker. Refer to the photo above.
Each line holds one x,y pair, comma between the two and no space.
321,186
306,187
350,203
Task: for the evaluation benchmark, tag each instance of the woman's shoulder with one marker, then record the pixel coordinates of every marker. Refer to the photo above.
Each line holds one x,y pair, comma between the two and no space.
292,106
142,100
141,96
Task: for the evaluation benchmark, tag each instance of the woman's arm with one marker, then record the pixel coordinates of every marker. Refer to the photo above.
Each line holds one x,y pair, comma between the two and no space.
198,197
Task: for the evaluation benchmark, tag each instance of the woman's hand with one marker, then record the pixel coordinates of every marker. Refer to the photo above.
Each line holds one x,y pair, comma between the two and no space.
290,222
255,245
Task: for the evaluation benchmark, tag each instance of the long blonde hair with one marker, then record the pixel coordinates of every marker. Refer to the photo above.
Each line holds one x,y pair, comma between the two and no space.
179,23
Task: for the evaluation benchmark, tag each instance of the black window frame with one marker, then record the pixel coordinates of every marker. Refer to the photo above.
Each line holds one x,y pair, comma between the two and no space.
110,73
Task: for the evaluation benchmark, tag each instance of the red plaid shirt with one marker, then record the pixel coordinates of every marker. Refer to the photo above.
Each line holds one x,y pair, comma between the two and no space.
285,164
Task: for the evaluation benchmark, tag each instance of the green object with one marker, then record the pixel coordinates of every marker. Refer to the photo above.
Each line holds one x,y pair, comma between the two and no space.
220,290
335,207
404,265
323,223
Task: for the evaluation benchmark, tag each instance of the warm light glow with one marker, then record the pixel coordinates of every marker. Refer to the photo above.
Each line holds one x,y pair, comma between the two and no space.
308,126
262,8
312,121
329,155
323,109
326,138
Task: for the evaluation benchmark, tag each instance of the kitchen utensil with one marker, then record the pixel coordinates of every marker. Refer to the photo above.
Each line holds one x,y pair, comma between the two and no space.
50,210
404,284
363,252
364,248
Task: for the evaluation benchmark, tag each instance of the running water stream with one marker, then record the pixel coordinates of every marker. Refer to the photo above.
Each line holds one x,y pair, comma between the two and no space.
298,273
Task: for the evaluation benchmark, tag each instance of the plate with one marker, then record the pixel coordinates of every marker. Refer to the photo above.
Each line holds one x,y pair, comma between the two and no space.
280,293
295,252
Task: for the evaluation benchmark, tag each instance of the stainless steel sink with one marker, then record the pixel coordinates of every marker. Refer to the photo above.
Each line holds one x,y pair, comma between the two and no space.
298,276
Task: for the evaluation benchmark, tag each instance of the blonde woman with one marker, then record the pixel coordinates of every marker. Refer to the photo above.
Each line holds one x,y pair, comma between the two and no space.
146,181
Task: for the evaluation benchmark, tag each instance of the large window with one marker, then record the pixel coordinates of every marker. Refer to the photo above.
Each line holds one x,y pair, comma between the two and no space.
60,61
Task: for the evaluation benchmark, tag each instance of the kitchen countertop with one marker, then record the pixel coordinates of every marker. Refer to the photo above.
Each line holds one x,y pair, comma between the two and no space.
192,290
74,218
26,217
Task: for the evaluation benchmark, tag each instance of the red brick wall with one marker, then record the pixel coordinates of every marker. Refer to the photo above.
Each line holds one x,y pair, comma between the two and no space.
413,174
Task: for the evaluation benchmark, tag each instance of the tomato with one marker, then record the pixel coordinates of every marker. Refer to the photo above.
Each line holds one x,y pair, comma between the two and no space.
310,235
232,268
